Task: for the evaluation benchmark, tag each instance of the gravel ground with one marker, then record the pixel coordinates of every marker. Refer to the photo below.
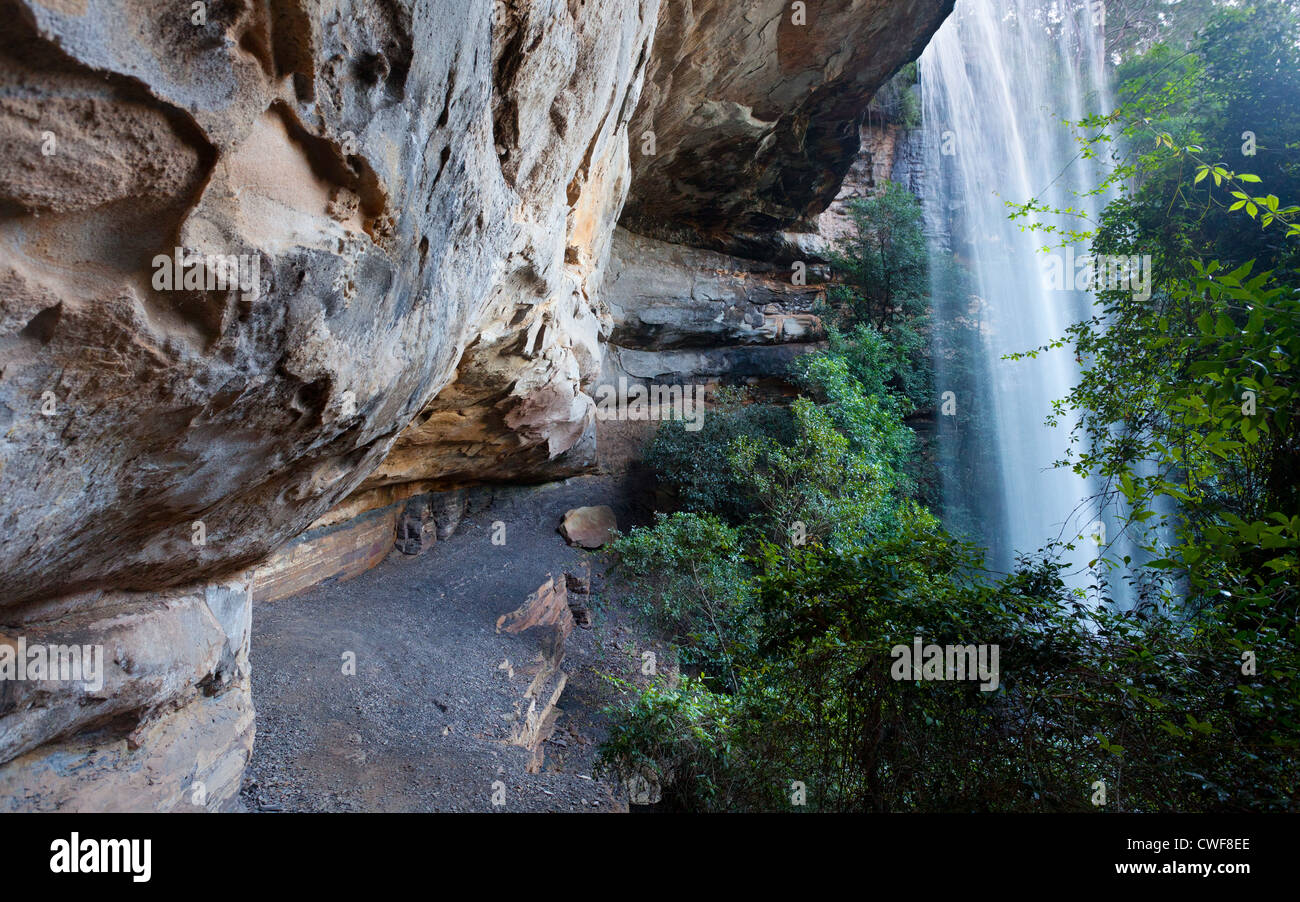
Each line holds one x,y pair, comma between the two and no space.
422,724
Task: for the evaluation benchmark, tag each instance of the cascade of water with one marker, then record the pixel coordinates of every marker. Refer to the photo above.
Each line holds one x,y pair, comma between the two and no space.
998,82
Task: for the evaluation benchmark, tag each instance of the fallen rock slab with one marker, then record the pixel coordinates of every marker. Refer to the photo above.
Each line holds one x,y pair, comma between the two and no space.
536,714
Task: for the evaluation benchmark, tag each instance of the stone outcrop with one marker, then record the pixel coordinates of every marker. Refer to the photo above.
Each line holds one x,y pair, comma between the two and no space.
402,185
278,280
733,300
350,540
887,154
391,184
700,319
159,715
699,313
713,176
753,109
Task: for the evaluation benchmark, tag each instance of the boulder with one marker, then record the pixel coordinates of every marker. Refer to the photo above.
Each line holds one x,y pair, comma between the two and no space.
589,527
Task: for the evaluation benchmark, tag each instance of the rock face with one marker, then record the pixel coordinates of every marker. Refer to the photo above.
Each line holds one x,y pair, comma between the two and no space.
400,184
753,109
755,122
703,318
699,314
289,263
886,154
389,183
166,722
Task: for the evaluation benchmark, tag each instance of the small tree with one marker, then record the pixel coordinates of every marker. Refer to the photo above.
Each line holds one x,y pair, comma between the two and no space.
882,267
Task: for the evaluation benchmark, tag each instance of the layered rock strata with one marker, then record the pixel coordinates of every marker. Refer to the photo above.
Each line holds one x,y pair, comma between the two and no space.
296,271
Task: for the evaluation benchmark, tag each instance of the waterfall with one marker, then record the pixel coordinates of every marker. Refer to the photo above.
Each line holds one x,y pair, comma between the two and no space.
999,81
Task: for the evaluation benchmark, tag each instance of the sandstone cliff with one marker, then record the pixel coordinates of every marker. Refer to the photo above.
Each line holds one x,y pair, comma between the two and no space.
416,202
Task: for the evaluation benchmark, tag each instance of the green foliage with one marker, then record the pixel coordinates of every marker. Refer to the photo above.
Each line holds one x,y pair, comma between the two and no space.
1240,79
1150,704
897,100
883,275
879,326
836,463
870,418
1202,385
1188,399
687,575
1187,412
826,486
679,739
871,359
694,466
1135,28
892,367
1145,702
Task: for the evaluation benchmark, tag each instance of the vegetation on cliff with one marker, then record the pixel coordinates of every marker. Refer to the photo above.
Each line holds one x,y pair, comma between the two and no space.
793,593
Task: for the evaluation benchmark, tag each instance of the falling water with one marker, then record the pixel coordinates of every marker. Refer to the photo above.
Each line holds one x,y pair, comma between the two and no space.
998,81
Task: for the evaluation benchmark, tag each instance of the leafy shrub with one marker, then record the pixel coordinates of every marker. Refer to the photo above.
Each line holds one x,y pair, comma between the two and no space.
1146,703
882,369
687,575
694,466
823,488
883,282
677,739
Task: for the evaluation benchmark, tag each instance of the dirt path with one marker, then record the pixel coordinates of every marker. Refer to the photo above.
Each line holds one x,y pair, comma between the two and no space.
423,725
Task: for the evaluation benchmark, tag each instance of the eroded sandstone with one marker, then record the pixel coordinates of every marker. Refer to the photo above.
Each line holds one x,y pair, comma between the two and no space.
423,198
411,180
369,155
754,109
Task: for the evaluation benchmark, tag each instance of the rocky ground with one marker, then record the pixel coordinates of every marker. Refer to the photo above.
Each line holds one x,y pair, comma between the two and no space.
425,722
